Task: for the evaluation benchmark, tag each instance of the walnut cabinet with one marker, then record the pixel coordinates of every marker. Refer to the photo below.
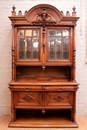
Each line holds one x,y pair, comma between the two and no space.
43,86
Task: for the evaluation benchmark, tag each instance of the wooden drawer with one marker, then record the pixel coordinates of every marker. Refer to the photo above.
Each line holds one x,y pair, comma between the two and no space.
26,88
60,88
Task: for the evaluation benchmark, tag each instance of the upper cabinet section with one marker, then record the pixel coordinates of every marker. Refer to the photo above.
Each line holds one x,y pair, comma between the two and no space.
43,36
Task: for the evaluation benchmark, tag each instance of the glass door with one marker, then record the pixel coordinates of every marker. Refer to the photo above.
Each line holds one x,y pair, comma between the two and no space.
28,44
58,44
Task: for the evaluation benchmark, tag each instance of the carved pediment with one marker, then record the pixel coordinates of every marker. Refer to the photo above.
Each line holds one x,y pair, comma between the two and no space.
44,15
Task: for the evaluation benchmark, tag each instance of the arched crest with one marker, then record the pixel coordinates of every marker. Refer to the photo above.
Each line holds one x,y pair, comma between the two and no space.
43,14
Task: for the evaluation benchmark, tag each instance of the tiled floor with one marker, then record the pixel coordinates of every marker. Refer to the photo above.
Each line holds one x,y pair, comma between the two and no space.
81,121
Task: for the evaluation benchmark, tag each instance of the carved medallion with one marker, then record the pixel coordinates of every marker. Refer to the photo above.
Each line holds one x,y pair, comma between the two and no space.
27,98
58,98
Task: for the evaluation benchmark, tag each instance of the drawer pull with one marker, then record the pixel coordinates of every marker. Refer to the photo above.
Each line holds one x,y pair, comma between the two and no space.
59,89
27,89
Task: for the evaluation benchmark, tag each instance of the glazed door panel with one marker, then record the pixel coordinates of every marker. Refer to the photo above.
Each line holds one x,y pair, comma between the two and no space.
28,45
59,44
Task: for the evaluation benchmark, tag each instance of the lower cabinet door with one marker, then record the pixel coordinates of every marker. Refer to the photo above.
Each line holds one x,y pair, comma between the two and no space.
59,99
27,99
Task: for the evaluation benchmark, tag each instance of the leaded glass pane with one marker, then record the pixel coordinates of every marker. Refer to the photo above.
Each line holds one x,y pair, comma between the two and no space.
35,32
35,48
58,48
28,50
21,33
65,47
28,33
21,48
51,32
58,33
51,48
65,33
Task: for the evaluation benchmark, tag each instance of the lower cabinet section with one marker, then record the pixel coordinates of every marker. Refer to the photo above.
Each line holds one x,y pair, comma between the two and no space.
40,106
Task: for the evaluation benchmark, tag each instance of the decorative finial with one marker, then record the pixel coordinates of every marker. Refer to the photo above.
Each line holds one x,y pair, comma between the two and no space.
20,13
13,7
25,12
13,10
74,12
62,12
67,13
74,8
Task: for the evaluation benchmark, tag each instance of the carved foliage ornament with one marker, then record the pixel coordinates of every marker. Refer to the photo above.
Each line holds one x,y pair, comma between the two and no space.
43,18
28,98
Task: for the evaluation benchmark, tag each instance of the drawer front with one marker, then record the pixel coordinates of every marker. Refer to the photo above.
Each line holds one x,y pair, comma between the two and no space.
59,99
60,88
26,88
25,99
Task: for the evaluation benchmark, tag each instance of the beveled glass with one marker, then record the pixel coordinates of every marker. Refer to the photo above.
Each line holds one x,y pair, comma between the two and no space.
35,33
28,46
65,33
51,32
51,48
35,48
58,33
58,48
21,48
28,32
21,33
65,47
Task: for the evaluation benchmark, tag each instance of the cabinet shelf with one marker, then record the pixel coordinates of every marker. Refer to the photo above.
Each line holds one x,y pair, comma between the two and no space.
36,119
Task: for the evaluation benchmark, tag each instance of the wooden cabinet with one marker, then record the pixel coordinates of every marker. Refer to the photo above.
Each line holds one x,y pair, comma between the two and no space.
43,86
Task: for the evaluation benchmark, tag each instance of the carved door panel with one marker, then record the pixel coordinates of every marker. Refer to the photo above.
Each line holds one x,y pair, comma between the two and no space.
31,99
56,99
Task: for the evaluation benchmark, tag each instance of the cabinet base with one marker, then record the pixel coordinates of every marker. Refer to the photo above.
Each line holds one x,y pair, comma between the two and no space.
34,124
47,120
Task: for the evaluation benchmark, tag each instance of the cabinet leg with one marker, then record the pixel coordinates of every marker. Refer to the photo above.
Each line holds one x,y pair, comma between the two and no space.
73,115
13,116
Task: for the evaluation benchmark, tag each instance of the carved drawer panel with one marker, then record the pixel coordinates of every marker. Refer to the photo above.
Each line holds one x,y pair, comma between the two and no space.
56,99
30,99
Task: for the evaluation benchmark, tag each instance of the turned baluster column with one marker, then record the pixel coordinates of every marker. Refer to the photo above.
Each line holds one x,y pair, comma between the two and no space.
13,46
44,33
74,47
